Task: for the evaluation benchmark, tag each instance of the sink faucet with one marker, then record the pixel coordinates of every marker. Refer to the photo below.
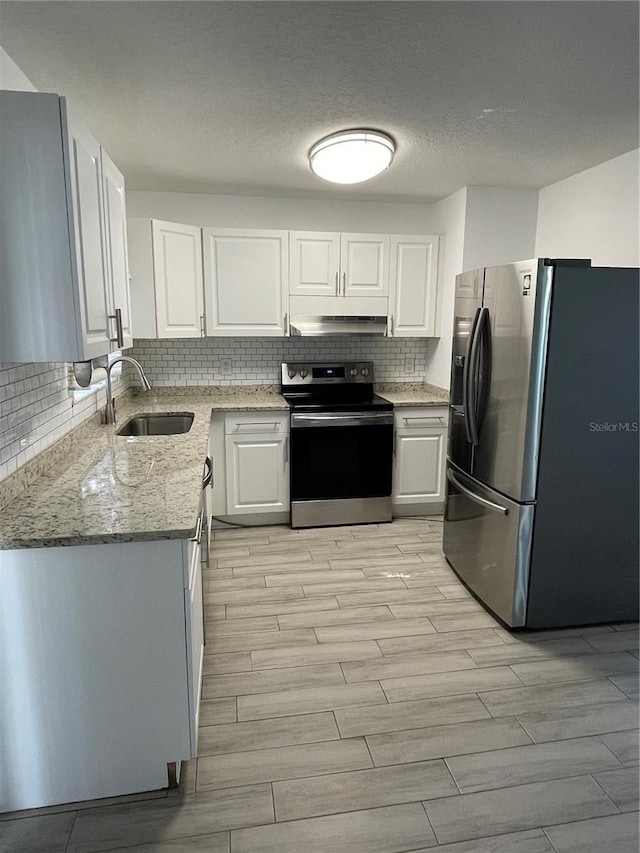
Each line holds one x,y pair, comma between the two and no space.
109,413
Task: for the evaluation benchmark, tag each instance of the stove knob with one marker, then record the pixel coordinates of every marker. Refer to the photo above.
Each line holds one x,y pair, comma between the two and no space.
353,372
365,371
291,373
304,373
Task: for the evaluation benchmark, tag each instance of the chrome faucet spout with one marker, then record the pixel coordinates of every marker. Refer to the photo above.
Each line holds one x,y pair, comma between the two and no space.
109,412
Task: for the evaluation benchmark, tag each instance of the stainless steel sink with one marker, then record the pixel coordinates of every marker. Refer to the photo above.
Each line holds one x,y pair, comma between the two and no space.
158,423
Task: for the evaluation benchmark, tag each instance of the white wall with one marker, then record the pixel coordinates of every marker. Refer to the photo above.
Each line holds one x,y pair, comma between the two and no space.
449,215
593,214
500,226
12,77
291,214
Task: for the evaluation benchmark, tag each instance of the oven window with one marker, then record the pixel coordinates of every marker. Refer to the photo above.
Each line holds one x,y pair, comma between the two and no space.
341,462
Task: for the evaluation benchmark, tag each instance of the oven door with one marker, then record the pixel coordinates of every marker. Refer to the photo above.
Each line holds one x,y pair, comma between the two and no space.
341,455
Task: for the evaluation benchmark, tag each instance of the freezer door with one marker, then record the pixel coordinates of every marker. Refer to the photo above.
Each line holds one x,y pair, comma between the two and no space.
487,540
507,370
468,302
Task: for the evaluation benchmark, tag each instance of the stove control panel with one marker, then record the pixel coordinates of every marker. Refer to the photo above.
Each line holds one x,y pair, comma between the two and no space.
334,373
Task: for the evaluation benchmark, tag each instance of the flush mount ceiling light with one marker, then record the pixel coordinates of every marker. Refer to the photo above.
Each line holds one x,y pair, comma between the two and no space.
352,156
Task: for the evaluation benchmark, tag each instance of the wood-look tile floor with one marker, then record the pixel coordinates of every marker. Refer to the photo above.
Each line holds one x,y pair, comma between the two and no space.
357,699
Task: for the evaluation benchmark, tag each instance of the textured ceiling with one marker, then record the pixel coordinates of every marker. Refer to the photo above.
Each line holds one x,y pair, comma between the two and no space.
228,97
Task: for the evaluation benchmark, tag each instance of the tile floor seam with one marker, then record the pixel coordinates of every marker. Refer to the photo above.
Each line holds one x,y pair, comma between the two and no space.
75,816
616,807
607,747
553,846
510,666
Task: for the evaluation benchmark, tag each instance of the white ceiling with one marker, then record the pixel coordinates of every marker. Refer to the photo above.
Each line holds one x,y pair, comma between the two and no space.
228,97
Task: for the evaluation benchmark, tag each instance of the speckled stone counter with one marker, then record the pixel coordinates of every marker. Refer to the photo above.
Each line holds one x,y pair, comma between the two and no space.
108,488
413,393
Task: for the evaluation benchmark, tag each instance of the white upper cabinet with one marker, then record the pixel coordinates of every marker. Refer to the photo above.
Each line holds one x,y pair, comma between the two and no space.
115,219
56,286
364,264
245,275
177,272
314,263
338,265
90,240
412,289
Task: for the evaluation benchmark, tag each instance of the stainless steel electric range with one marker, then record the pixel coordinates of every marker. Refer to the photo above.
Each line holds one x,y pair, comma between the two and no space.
341,444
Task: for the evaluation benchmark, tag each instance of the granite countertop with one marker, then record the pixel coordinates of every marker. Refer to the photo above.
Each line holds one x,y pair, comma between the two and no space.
413,394
101,488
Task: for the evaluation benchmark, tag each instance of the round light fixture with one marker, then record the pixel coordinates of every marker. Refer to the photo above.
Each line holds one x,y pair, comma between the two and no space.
352,156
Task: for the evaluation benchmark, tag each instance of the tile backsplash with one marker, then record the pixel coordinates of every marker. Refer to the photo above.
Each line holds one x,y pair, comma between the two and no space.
256,361
37,408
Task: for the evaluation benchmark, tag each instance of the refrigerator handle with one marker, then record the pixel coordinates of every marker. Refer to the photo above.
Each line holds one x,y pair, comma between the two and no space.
467,389
503,510
480,405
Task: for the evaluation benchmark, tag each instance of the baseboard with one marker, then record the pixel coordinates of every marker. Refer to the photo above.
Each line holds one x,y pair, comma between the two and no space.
408,510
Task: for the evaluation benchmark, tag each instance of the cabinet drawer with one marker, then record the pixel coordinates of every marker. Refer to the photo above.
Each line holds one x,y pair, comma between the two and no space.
256,423
428,417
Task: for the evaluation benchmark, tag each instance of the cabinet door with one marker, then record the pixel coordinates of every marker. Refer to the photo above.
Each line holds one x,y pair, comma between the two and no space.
177,267
364,265
245,275
418,474
314,261
88,213
257,473
412,286
115,218
194,615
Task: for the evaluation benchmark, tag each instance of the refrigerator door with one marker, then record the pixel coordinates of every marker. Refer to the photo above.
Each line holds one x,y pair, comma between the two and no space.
507,369
487,540
468,303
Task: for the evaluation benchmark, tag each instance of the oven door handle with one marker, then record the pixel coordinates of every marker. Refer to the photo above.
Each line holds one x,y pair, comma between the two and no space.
346,419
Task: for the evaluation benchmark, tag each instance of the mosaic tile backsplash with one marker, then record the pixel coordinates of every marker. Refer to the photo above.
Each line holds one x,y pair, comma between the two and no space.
37,408
256,361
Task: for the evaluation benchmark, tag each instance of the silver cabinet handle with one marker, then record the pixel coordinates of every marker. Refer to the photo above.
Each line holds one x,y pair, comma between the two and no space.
202,325
198,535
119,338
204,537
503,510
285,323
344,284
425,418
337,284
273,424
286,451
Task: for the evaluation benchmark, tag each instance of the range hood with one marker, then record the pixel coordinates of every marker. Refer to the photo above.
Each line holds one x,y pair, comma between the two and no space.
337,325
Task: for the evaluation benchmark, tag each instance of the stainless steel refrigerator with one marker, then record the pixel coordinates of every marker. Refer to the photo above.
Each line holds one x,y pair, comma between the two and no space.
541,513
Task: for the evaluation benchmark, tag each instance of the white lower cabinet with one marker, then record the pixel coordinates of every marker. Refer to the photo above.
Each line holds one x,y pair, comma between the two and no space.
103,646
419,458
257,462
